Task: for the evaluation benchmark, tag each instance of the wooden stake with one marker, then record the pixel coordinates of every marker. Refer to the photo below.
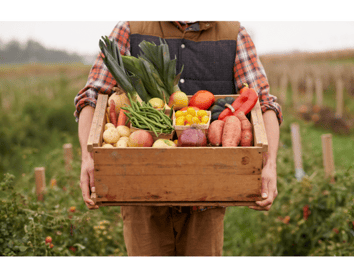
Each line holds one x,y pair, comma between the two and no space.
40,182
327,153
319,92
68,155
297,150
339,98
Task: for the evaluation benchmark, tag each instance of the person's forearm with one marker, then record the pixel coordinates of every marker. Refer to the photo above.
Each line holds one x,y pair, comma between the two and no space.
272,130
85,121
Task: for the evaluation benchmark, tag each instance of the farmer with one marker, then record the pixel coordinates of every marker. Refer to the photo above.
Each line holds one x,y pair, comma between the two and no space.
219,57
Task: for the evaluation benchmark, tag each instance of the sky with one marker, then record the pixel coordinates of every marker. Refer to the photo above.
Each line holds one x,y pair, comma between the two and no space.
79,29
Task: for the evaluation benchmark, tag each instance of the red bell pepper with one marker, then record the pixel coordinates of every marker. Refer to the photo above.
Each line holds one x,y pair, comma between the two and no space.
245,102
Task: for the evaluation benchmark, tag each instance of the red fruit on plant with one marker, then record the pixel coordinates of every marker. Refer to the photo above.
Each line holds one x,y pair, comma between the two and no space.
72,248
72,209
51,245
306,211
286,220
48,240
202,99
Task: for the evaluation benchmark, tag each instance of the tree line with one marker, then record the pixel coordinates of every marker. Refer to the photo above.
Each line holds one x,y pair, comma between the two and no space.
14,52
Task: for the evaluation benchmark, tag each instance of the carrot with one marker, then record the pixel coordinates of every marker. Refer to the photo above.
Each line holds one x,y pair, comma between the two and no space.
112,113
122,118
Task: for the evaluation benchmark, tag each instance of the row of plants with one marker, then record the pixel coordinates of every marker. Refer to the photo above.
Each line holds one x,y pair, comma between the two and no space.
60,225
313,217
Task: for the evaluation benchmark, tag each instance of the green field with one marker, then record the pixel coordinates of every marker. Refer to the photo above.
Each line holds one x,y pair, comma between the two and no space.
37,120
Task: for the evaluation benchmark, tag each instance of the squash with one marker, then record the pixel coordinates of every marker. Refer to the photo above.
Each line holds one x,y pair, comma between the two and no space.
220,106
119,97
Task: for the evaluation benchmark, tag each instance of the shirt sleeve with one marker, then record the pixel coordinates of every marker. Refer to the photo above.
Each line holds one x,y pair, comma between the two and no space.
249,69
100,79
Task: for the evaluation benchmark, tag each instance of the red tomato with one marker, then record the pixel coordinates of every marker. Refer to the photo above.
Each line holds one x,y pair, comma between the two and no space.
202,99
48,240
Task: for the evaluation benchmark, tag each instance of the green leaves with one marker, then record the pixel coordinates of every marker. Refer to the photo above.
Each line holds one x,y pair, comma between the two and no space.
159,56
113,60
151,75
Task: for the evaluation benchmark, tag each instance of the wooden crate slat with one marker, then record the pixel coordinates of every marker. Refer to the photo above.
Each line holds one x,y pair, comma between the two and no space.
260,136
148,161
180,188
98,122
147,203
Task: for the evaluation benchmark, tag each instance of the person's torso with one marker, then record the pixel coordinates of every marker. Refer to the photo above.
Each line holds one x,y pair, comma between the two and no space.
207,53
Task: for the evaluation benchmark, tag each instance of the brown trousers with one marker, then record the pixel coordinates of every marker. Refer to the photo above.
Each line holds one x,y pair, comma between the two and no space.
166,231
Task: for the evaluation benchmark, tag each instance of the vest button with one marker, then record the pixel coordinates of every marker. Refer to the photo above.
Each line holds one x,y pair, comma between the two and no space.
183,45
182,80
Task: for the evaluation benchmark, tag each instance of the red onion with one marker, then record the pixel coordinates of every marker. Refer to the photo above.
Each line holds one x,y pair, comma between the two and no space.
192,137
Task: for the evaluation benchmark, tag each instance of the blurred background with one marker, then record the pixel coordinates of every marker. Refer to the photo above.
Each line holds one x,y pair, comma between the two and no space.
20,42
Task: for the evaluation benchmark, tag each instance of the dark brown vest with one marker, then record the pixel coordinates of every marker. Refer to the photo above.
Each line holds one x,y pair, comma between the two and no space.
207,52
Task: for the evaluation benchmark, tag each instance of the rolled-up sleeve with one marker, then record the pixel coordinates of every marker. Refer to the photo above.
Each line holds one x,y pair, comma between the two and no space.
249,69
100,79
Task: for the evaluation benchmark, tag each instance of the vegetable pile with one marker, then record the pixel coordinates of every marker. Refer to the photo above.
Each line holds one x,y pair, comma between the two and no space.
148,86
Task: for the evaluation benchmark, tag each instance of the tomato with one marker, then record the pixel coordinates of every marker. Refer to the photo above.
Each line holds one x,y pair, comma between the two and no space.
202,99
48,240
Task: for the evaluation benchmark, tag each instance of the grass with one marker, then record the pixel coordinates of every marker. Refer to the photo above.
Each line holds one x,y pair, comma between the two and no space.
37,114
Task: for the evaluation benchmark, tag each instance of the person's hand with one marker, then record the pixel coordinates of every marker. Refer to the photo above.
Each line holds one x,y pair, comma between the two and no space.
269,189
87,181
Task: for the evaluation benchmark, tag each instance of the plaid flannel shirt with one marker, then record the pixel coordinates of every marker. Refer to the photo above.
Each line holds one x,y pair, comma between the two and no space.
247,69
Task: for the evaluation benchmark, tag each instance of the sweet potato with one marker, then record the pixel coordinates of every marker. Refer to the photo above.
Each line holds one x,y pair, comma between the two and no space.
215,132
246,130
231,135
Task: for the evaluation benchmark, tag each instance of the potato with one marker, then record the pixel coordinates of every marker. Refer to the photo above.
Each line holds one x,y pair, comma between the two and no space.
108,125
111,135
123,131
122,142
107,145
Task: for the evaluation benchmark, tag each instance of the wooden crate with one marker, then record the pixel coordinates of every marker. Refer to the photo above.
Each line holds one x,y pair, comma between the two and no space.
181,176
